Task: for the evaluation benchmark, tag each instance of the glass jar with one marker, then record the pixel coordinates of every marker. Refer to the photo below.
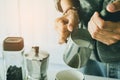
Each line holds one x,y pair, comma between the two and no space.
13,58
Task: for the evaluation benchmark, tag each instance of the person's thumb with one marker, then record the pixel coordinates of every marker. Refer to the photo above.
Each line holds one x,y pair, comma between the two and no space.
114,7
70,27
72,23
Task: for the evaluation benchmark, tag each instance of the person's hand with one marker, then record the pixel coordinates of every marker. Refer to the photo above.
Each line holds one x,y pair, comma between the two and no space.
65,24
114,7
106,32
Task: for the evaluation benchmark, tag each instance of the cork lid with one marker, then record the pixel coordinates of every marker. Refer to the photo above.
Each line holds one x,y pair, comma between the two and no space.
13,44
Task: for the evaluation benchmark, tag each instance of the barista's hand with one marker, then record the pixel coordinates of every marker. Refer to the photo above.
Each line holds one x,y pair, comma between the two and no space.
106,32
65,24
114,7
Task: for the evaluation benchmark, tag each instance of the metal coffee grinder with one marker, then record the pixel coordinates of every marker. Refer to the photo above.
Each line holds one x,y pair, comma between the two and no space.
13,58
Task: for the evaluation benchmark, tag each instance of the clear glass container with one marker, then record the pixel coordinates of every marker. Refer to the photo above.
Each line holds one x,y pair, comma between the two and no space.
13,49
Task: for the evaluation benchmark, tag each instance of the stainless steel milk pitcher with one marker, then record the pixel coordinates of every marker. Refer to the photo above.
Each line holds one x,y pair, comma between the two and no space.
78,49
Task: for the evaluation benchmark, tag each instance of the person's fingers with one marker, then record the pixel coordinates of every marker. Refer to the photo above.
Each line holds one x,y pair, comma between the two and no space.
92,28
114,7
108,41
112,26
98,20
72,20
102,35
106,25
107,37
60,22
63,33
61,27
63,37
110,35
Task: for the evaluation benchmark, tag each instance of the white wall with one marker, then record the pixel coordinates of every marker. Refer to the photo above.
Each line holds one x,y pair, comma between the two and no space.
34,21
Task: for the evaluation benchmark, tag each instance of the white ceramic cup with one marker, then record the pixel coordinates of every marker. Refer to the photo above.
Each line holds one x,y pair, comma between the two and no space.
69,75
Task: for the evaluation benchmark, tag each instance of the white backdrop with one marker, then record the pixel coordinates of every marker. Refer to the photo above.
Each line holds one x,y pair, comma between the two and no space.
34,21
